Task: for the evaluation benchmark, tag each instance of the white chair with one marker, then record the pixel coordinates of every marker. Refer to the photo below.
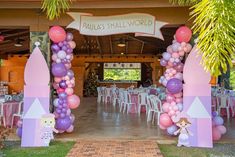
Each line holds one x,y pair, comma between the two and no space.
107,95
8,98
155,107
142,101
115,98
18,114
2,115
100,94
223,101
126,103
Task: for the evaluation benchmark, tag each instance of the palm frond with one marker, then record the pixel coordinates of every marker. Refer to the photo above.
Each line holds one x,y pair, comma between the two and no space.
54,8
214,21
184,2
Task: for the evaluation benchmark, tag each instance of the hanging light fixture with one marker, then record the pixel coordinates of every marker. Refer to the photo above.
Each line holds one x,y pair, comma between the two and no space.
18,43
121,43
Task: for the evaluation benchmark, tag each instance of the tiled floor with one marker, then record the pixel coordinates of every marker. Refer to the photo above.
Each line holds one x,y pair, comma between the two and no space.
115,148
99,121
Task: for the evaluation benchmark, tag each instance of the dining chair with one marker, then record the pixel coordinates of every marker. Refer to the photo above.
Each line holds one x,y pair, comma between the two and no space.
155,108
128,102
2,118
115,98
8,98
107,95
100,94
223,101
142,101
18,114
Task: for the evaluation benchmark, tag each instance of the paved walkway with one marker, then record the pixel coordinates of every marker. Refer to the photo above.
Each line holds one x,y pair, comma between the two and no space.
115,148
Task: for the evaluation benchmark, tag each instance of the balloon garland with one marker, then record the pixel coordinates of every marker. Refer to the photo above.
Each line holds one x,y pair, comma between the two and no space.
64,80
173,77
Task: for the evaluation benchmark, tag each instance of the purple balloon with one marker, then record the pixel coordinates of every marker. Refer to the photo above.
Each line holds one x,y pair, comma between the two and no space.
63,84
63,123
218,120
172,129
163,62
174,85
70,74
214,114
175,46
68,112
60,106
60,44
61,101
55,48
72,117
65,105
64,48
58,110
166,56
69,50
63,95
56,102
62,115
59,70
69,36
19,132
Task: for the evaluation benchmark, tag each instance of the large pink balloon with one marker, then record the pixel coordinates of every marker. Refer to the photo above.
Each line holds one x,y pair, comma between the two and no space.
73,101
165,120
216,135
221,129
183,34
57,34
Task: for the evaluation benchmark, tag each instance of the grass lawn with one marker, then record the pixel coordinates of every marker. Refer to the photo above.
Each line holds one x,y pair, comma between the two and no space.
56,149
219,150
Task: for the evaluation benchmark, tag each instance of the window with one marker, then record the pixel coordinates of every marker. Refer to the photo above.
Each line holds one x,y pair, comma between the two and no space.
122,71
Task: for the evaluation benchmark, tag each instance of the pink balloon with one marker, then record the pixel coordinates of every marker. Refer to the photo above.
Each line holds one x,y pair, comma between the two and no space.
165,120
175,108
54,57
57,34
165,107
72,117
183,34
178,95
73,101
57,79
169,98
68,65
175,55
181,53
55,85
183,44
221,129
169,49
171,113
70,129
60,90
216,135
179,76
69,91
188,48
179,100
72,44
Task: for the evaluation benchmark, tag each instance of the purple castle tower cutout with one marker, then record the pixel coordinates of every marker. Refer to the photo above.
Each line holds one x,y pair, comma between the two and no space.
36,98
197,100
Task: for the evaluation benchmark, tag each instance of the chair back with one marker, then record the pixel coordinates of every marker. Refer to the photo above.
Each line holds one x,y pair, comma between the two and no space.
127,97
8,98
107,91
20,107
99,91
142,98
1,108
157,104
224,101
150,102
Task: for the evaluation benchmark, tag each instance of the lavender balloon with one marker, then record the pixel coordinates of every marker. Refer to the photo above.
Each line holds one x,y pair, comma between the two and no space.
163,62
166,56
63,95
174,85
55,48
70,74
59,70
69,50
63,123
69,37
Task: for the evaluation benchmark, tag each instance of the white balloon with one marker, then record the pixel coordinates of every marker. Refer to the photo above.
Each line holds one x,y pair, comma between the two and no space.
61,54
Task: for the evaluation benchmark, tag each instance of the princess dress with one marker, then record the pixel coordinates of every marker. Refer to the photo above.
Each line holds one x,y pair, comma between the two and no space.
47,135
183,139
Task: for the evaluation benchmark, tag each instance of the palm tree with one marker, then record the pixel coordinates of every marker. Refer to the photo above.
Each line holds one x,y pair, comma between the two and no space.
213,21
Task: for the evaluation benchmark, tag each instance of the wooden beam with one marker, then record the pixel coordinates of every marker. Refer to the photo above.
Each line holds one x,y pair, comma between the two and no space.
98,43
111,44
126,50
142,48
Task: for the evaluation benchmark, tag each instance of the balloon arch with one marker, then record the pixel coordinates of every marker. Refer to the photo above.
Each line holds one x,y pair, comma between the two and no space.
64,80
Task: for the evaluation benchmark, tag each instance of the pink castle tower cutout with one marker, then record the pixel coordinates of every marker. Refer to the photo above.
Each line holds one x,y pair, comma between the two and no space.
197,100
36,97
